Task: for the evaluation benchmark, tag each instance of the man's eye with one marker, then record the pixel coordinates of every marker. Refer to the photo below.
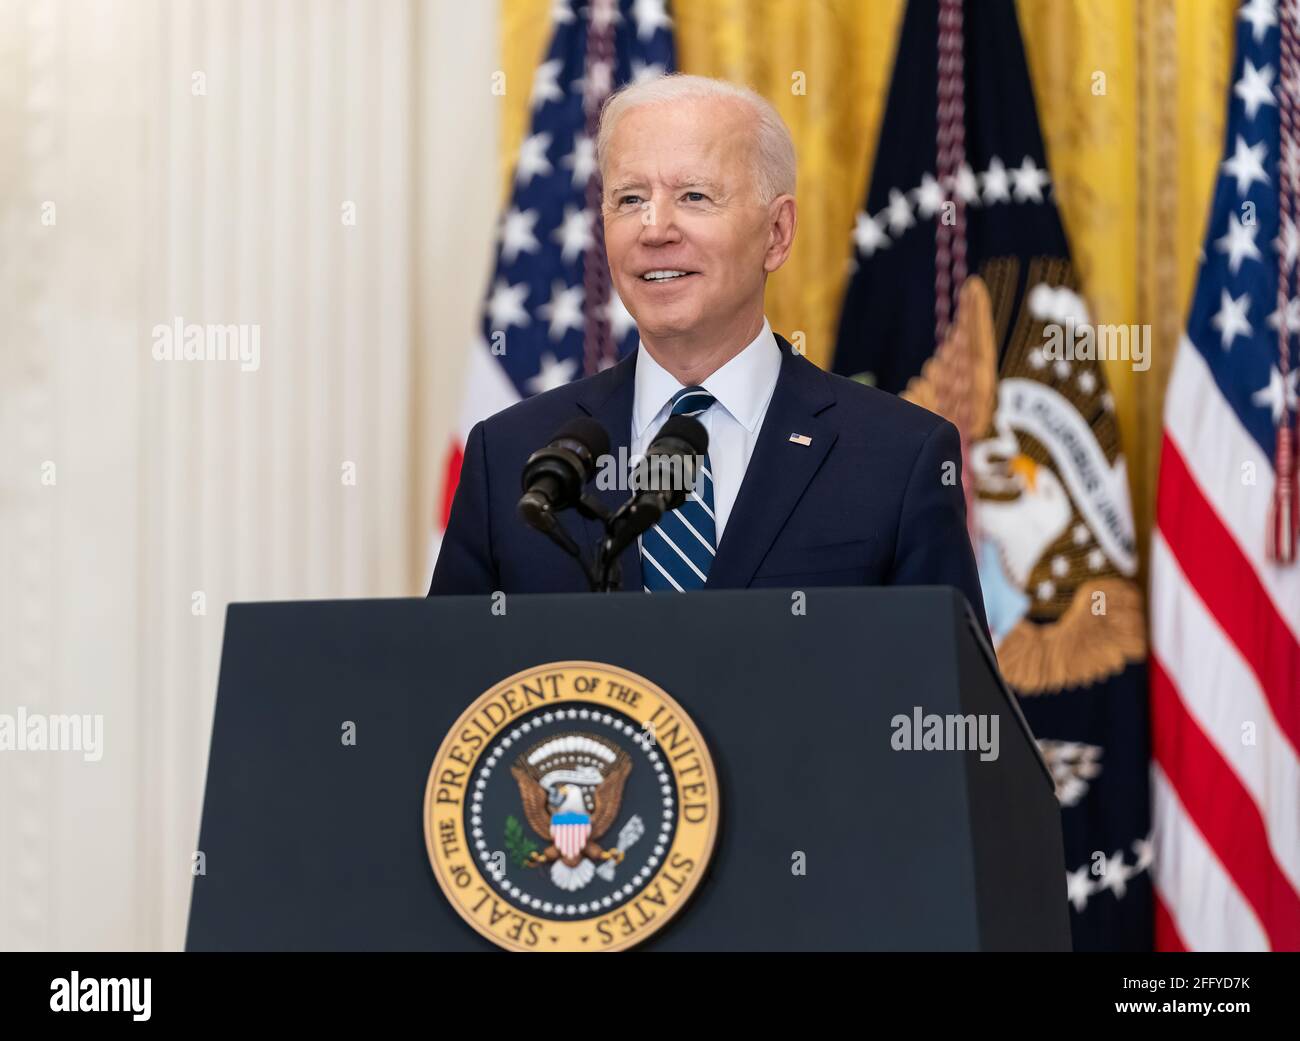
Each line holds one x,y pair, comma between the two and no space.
696,196
625,199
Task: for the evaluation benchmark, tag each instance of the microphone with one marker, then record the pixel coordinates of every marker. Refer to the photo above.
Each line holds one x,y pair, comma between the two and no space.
554,476
672,462
671,471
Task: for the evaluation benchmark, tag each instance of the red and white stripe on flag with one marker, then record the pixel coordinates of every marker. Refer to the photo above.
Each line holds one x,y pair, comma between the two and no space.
488,390
1225,685
570,839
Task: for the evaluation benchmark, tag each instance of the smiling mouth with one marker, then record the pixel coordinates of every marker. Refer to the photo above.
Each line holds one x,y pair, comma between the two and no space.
666,275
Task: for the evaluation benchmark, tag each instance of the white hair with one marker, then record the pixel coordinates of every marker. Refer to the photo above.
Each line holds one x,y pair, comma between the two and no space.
774,172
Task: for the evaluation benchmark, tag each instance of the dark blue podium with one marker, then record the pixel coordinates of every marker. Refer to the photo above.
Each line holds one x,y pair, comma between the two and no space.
312,844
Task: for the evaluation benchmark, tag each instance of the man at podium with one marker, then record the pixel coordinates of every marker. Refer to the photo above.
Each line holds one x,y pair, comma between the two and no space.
809,479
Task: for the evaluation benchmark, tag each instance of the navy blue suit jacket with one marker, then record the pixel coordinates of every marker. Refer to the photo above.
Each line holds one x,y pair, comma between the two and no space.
870,501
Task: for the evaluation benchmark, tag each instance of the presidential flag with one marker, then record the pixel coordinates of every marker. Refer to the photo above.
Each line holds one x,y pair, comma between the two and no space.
551,314
1225,587
963,299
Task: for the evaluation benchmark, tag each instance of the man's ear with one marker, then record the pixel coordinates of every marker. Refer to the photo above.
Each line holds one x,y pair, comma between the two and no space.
782,216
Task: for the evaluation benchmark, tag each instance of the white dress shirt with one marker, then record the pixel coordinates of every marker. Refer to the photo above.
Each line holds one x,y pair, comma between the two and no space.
743,389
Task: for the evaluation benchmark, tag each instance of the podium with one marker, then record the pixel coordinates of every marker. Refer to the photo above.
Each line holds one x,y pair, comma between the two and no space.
840,824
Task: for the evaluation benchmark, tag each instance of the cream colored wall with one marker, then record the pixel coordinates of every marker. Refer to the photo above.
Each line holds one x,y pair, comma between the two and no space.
179,478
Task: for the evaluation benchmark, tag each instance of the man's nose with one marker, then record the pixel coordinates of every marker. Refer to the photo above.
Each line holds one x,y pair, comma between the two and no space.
659,223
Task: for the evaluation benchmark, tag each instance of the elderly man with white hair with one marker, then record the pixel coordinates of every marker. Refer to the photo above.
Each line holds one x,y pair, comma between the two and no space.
810,479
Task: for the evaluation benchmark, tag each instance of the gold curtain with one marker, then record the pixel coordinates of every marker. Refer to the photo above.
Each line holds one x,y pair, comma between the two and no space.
1133,151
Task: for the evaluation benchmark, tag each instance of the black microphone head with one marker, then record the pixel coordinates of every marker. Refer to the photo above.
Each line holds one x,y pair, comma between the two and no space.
688,429
587,432
554,475
672,461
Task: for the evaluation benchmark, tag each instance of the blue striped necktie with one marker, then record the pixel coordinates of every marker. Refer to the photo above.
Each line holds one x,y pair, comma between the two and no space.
678,551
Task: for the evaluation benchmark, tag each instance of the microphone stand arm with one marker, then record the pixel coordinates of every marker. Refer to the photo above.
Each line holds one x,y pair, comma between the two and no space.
621,527
606,573
548,524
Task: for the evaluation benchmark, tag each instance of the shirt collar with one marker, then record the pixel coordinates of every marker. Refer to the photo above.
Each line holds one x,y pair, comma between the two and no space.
743,386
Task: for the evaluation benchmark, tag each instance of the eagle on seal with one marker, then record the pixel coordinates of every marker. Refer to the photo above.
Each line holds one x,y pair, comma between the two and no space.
571,786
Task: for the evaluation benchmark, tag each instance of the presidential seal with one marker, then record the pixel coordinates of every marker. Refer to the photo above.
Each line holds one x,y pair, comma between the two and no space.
573,807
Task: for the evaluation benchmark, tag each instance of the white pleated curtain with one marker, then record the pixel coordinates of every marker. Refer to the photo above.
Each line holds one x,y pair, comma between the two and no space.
321,173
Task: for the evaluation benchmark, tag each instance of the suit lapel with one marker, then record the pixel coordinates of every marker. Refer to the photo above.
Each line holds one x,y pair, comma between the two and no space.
608,400
778,471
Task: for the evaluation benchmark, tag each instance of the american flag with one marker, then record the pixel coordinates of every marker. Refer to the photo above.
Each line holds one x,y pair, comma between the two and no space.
1225,616
551,315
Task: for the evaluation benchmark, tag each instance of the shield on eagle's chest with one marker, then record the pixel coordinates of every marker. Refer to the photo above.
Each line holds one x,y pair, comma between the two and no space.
570,832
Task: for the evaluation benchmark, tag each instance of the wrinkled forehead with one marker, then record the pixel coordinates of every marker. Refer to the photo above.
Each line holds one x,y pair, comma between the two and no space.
679,143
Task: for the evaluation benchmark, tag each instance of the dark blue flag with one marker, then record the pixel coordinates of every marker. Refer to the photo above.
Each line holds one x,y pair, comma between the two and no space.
964,299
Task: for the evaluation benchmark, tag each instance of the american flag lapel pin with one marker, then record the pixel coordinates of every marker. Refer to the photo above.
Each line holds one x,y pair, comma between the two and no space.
800,439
